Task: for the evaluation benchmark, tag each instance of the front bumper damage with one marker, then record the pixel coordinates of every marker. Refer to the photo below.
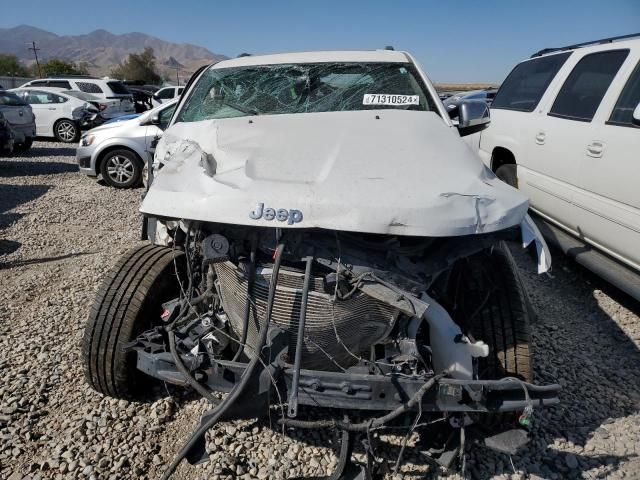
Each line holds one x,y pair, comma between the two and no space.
449,391
357,390
452,395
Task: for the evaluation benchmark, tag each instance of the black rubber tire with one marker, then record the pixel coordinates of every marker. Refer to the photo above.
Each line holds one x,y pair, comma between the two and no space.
136,163
488,300
24,146
508,174
71,125
128,303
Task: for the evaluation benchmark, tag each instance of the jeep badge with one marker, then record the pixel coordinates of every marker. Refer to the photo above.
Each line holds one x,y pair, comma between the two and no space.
281,214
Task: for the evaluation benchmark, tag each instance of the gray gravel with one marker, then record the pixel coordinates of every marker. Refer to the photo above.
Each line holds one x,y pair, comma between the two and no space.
61,231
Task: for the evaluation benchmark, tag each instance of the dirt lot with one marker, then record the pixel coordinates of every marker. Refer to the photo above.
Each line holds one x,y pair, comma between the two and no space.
59,234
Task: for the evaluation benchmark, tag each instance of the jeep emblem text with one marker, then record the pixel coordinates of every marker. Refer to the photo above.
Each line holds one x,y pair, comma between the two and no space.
281,214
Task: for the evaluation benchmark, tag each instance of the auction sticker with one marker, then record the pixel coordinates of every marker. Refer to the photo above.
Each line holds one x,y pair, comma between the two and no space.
387,99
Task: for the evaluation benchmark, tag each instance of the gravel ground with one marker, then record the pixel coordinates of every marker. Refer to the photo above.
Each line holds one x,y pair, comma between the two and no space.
61,231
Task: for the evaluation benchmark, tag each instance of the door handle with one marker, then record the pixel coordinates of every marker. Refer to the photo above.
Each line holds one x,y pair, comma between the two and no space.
595,149
52,108
540,137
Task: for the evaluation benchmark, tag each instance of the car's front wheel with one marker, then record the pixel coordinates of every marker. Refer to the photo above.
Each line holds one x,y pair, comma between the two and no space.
128,302
486,297
121,169
66,131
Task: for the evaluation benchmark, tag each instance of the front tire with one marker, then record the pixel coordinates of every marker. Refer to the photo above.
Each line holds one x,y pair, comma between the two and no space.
121,169
128,303
486,297
66,131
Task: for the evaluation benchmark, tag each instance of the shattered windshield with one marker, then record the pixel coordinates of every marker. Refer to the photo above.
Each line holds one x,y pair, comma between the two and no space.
303,88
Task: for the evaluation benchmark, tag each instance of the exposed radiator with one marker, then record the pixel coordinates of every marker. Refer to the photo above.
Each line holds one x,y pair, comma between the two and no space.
360,320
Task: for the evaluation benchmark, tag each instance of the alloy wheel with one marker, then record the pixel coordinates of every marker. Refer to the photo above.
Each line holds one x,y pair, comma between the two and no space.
66,131
120,169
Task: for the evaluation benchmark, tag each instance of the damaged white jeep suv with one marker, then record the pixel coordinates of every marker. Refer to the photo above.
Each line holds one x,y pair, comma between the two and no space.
322,241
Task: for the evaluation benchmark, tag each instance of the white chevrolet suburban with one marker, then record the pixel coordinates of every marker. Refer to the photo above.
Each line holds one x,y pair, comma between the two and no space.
565,129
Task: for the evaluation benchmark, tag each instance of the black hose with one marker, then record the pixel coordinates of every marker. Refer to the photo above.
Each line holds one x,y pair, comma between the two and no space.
247,308
208,293
364,426
239,387
293,398
185,372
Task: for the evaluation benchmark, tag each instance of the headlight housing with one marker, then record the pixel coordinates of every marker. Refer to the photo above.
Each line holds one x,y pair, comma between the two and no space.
87,140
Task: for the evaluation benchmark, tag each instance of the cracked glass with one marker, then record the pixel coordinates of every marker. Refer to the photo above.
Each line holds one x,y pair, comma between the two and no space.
304,88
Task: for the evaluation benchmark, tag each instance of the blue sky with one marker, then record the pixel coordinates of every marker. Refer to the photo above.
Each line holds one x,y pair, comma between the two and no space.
456,41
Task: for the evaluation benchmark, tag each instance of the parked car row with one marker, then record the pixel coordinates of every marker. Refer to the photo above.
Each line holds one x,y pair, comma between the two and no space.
58,114
61,107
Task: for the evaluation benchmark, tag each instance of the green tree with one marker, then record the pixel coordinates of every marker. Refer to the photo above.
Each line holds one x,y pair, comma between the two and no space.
60,67
138,66
10,65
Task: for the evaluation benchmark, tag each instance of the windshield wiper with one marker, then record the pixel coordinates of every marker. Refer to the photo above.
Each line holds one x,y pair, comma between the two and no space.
240,108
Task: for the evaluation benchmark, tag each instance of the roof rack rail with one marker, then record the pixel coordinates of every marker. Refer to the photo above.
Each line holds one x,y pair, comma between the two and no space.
73,76
544,51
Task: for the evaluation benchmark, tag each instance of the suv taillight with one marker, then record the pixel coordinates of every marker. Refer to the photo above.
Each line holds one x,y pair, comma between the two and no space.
103,107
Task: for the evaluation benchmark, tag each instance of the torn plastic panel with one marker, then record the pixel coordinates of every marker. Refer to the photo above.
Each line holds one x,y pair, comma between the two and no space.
530,233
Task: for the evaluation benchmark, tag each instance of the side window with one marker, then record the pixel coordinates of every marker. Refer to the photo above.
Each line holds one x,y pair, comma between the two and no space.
165,116
58,99
166,93
627,102
527,82
38,83
36,97
587,83
89,87
59,84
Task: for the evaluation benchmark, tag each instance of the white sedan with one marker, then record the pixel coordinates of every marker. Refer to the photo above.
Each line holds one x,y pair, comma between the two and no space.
57,114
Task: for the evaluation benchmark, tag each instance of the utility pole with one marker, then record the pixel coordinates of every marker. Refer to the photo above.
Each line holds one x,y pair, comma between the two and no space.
177,68
34,49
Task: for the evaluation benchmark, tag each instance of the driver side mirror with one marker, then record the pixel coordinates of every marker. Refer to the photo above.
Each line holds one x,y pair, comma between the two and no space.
635,119
155,120
473,116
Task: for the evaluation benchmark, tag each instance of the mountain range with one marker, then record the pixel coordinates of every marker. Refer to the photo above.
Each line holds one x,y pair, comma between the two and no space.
101,50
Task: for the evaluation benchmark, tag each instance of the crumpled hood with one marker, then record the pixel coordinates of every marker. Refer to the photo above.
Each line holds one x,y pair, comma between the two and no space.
377,171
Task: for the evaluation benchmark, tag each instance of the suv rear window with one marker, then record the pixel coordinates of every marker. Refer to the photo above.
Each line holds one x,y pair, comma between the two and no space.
582,92
118,88
89,87
527,82
59,84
